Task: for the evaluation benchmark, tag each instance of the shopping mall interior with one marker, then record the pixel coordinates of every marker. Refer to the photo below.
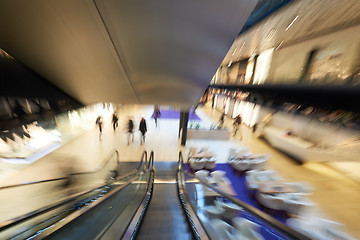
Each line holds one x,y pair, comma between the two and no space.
180,120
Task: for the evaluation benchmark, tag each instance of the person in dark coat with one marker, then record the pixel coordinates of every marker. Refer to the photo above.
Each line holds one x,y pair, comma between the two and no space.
99,122
115,120
237,125
221,120
143,130
157,114
130,130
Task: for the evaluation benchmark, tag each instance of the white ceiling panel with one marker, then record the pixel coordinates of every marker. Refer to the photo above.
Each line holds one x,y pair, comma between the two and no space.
128,51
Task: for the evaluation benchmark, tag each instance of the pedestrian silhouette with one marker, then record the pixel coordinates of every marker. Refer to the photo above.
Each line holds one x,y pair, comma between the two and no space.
115,120
157,114
99,122
130,130
143,130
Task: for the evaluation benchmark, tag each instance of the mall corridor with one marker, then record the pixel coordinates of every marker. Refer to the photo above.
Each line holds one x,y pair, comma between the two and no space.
86,153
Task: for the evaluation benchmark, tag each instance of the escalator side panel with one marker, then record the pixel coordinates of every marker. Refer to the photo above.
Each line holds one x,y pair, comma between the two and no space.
94,223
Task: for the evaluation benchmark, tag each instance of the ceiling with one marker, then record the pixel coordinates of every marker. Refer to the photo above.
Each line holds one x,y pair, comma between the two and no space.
128,51
313,18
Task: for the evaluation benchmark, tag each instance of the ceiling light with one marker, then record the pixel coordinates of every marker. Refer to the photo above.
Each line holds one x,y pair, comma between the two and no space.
242,46
271,34
279,45
234,51
291,23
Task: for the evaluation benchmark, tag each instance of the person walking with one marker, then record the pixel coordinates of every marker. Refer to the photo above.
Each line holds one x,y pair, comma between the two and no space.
143,130
115,120
221,120
130,129
99,122
237,124
157,114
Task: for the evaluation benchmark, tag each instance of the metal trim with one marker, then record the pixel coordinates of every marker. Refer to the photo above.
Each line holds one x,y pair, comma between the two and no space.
195,224
133,227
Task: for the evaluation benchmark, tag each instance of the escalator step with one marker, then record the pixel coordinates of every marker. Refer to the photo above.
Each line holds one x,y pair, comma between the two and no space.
164,218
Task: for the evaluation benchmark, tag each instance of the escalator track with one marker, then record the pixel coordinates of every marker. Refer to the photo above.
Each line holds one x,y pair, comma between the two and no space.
164,218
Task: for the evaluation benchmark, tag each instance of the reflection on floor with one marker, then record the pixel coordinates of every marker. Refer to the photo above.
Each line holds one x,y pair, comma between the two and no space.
337,195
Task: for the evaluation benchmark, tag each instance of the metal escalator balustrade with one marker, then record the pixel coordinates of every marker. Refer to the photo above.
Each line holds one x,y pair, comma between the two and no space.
108,218
44,221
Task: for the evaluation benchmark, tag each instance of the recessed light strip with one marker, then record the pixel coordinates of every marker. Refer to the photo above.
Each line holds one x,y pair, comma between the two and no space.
279,45
234,51
291,23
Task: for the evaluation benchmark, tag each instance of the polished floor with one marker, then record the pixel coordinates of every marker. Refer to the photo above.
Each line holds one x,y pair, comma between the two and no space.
337,195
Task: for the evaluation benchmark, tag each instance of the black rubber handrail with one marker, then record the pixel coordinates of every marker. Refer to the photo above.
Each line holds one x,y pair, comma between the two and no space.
63,178
198,230
12,222
281,227
133,227
143,156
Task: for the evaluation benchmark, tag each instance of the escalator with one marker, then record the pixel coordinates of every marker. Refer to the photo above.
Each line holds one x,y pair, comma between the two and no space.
154,201
72,208
165,218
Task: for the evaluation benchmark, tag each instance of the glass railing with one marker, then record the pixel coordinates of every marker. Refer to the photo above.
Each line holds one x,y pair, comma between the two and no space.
27,197
115,214
222,216
108,219
34,207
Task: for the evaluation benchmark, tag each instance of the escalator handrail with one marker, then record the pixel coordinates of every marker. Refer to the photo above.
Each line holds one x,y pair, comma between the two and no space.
197,229
12,222
48,232
143,156
281,227
151,161
63,178
133,227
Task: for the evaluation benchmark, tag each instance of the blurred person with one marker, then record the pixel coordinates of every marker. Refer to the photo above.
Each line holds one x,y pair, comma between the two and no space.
157,114
99,122
115,120
143,130
69,168
221,120
237,124
130,130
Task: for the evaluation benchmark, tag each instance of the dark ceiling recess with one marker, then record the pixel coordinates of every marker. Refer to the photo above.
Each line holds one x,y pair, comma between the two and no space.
263,9
19,81
327,97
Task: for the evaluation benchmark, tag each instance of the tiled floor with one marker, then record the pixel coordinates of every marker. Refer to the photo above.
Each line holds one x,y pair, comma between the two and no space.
337,196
